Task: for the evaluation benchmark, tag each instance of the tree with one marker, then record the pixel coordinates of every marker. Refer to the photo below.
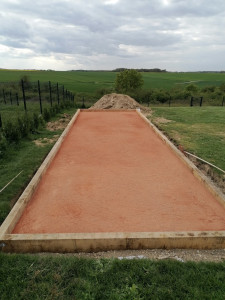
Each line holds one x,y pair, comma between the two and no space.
192,88
128,80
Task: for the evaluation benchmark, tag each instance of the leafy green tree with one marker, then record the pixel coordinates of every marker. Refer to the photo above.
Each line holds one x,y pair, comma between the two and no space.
192,88
128,80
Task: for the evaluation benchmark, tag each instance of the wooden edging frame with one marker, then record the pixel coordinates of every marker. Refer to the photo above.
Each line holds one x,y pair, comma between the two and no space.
93,242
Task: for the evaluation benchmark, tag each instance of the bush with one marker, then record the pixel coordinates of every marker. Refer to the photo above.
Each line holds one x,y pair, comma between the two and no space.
36,120
46,115
3,145
24,125
52,111
11,132
161,96
56,108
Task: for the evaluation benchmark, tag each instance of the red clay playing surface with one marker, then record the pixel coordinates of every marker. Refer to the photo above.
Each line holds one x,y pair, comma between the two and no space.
114,174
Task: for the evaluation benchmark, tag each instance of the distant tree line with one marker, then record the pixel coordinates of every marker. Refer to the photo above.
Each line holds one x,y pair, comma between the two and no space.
157,70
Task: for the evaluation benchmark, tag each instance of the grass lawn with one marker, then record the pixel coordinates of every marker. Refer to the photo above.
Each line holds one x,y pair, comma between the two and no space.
200,130
66,277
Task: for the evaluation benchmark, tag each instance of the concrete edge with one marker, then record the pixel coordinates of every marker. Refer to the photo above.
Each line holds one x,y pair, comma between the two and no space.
16,212
196,172
94,242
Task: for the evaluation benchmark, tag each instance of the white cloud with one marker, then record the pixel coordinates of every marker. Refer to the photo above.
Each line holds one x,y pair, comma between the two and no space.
110,2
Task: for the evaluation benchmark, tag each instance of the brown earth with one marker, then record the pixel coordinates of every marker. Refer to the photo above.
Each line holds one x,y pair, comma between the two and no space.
119,101
43,141
59,124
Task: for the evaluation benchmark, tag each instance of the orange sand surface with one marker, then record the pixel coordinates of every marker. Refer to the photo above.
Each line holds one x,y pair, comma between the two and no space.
114,174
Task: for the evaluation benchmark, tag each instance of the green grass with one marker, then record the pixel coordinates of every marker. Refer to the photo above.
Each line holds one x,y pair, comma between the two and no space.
90,82
12,112
200,130
48,277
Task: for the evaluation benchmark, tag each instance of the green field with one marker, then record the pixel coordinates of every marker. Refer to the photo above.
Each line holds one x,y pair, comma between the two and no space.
91,81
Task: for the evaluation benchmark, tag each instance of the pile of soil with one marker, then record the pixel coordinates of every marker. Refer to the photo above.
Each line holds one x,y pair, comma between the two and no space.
119,101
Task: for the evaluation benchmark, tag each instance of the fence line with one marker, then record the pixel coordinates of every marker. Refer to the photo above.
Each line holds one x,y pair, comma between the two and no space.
27,91
30,91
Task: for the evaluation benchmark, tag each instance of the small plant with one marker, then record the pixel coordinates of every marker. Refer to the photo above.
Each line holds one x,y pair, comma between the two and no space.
57,108
3,145
11,132
36,120
52,111
46,115
41,121
24,125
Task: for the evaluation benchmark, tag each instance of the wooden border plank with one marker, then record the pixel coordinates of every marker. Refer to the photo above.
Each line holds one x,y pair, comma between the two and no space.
94,242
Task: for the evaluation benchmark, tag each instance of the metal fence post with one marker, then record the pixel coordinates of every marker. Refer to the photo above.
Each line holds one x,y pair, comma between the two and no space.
57,88
17,99
10,97
50,92
24,97
39,92
3,91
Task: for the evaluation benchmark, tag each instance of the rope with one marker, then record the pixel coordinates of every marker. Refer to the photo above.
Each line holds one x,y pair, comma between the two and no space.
205,161
10,182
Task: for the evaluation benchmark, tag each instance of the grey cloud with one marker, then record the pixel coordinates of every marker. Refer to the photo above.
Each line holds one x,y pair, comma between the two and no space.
13,27
91,29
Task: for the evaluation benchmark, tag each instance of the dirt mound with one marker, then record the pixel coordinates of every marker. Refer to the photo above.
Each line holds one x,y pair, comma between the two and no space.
119,101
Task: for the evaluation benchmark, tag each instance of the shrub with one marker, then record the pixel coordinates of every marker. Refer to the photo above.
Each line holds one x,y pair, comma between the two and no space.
56,108
52,111
41,120
3,145
24,125
11,132
46,115
35,120
161,96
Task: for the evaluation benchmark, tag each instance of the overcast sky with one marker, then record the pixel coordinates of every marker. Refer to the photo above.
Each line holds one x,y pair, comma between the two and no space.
177,35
